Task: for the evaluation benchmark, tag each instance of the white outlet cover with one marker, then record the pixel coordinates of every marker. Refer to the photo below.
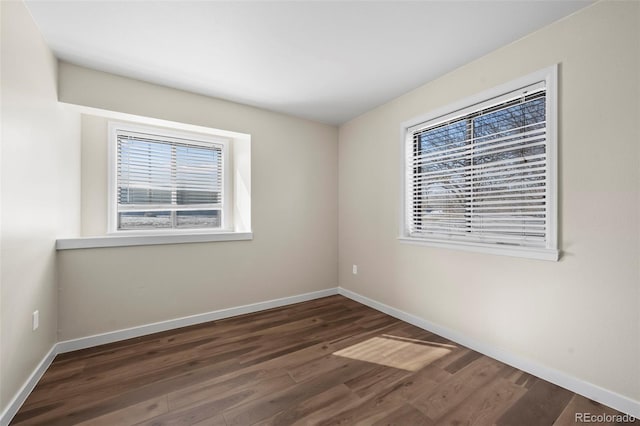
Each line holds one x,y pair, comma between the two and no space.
355,269
36,320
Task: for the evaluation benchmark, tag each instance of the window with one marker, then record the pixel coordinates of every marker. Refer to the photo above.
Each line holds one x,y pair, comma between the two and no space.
480,175
167,180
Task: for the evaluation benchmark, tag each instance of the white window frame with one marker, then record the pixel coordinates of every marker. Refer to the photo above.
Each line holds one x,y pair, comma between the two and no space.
549,76
169,135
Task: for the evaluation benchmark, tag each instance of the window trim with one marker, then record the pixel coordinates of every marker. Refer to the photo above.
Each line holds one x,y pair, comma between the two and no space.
167,134
149,240
481,100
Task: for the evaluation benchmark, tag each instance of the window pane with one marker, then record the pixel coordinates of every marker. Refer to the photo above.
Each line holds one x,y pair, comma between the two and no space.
509,177
144,220
198,175
449,136
191,196
510,128
143,196
144,172
443,182
199,219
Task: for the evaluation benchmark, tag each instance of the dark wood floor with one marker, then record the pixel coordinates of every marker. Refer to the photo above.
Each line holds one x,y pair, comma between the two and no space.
328,361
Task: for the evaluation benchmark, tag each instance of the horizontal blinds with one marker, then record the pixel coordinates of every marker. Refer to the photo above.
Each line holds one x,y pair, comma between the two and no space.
159,175
482,177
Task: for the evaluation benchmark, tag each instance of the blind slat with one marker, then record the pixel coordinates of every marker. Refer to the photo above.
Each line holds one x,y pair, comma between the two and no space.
468,145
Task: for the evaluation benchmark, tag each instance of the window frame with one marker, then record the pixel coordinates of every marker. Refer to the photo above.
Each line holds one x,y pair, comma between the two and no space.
169,135
459,109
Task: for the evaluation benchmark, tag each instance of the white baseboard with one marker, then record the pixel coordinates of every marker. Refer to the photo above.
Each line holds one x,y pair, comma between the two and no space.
28,386
115,336
589,390
143,330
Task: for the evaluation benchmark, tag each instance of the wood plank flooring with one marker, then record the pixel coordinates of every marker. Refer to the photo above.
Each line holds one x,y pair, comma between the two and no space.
330,361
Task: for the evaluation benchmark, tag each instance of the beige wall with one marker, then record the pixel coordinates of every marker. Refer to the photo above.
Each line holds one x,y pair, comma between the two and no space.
40,195
94,181
579,315
294,216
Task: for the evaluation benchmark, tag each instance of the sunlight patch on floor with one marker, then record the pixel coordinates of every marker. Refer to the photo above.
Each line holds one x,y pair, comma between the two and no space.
397,352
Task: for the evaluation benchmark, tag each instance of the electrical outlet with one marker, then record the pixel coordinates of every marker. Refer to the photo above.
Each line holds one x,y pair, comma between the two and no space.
355,270
36,320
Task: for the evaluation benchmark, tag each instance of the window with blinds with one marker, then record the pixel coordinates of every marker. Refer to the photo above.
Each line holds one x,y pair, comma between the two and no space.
482,176
165,182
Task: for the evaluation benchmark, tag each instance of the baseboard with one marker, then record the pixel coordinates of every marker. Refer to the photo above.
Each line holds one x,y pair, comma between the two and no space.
143,330
586,389
589,390
28,386
115,336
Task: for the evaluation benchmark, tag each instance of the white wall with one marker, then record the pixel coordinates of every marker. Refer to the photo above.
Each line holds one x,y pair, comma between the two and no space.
40,195
579,315
294,216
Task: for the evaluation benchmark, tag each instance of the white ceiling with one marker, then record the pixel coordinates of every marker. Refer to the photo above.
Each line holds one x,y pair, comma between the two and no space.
324,60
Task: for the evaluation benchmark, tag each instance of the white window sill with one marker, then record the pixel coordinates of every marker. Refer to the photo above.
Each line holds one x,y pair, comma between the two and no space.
527,252
148,240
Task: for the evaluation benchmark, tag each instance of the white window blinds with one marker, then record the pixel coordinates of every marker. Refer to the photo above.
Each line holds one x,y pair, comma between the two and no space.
165,182
481,175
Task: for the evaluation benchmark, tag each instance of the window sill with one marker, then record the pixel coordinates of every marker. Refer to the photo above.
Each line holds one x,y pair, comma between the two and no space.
526,252
148,240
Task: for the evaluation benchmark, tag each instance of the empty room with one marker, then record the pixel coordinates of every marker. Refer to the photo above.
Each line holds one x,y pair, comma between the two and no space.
320,212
